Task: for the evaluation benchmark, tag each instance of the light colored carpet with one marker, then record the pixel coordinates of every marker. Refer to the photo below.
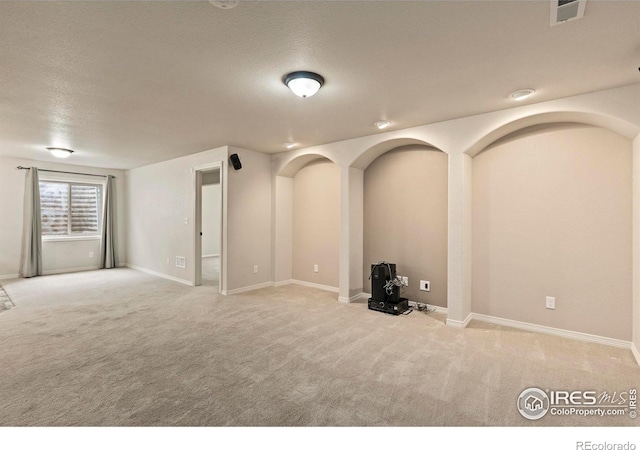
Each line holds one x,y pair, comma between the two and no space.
118,347
211,271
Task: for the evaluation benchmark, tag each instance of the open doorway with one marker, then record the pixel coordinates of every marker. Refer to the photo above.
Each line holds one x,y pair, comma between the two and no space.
208,227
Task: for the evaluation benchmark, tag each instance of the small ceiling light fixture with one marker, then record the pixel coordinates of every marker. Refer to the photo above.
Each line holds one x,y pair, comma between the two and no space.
304,84
522,94
382,124
290,145
224,4
60,152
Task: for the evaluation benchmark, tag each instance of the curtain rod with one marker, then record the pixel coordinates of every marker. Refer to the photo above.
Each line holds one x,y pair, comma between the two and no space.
62,171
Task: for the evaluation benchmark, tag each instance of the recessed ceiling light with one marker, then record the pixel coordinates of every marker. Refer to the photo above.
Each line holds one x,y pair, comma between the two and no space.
382,124
224,4
60,152
290,145
304,84
522,94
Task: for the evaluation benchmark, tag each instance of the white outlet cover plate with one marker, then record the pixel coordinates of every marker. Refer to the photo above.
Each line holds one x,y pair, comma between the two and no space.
551,303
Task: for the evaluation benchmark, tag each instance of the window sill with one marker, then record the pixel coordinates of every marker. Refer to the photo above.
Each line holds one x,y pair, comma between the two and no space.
69,238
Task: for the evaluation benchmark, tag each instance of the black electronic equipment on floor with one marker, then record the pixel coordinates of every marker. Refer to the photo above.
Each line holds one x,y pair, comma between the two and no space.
385,290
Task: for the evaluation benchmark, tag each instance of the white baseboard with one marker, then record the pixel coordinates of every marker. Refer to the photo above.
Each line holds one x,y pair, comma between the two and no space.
318,286
159,274
8,277
69,270
306,284
459,323
352,299
211,256
635,352
249,288
315,285
553,331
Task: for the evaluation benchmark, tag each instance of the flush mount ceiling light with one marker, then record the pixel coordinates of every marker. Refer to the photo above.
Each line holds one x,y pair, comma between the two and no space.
60,152
304,84
290,145
382,124
224,4
521,94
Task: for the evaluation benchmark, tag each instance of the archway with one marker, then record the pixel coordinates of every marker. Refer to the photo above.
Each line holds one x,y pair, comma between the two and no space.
552,217
405,219
307,222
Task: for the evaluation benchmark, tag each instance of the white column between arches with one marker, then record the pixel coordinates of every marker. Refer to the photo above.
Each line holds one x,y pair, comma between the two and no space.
351,233
459,253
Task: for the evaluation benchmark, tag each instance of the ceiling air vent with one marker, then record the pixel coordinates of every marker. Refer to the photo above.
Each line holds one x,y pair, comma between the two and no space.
566,10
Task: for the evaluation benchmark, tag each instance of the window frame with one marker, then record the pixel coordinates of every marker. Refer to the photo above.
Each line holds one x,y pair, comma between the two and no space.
78,181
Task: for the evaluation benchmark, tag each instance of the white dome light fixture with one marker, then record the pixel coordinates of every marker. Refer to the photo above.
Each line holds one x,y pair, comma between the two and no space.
382,124
522,94
60,152
304,84
224,4
290,145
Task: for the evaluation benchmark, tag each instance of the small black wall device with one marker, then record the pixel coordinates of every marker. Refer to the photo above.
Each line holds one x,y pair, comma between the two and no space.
235,161
385,291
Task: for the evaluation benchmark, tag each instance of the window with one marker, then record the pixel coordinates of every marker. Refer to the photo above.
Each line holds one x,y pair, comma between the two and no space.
70,209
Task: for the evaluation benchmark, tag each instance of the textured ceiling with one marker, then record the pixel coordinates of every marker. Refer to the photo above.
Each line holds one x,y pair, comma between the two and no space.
130,83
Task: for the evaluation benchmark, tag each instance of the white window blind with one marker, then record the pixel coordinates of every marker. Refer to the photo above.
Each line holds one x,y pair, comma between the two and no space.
70,209
84,209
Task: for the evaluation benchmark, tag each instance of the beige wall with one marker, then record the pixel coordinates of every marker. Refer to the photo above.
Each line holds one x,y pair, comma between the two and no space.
552,212
161,196
405,219
58,256
283,229
249,220
316,223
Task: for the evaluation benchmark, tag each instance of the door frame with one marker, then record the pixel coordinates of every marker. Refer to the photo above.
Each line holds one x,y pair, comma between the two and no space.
197,223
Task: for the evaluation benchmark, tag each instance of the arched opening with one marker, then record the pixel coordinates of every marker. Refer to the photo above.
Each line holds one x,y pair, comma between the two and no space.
552,217
316,224
307,222
405,218
614,124
368,156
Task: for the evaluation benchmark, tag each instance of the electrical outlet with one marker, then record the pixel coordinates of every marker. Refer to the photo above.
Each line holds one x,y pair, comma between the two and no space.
425,285
315,268
168,262
551,303
186,221
91,255
255,269
405,281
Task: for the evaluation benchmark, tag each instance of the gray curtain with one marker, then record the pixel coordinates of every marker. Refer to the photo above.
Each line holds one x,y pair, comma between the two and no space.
108,253
31,257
